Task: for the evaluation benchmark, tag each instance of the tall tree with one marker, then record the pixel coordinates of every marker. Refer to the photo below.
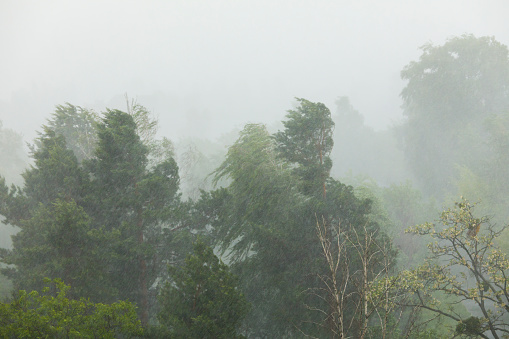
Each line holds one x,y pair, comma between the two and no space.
265,218
101,223
78,126
54,239
307,141
451,90
135,199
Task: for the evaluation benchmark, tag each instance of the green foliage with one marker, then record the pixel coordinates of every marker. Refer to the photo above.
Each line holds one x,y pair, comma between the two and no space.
266,216
44,207
58,241
5,287
138,199
203,300
307,141
78,127
465,263
451,91
100,221
53,315
470,326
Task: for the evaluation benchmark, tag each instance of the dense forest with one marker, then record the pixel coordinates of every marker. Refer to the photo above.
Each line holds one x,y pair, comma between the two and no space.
321,228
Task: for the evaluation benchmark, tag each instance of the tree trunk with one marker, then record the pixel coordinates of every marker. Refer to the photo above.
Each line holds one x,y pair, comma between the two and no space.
143,275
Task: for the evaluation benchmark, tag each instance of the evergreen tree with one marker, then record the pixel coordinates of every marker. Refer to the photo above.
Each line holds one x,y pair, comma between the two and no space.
136,200
307,141
203,300
47,204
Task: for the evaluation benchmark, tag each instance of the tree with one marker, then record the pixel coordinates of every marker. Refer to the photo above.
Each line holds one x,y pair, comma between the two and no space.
265,221
58,242
307,141
451,90
466,264
137,200
45,315
345,284
202,300
106,221
78,127
48,203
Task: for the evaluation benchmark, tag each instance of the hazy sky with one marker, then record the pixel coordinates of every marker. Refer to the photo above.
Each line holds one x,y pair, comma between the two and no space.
205,67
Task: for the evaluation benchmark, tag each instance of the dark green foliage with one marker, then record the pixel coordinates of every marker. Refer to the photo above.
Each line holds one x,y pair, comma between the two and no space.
53,315
45,206
265,219
139,201
307,141
470,326
202,300
106,225
58,242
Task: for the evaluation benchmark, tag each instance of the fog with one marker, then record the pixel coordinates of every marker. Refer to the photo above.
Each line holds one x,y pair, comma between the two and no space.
313,211
206,67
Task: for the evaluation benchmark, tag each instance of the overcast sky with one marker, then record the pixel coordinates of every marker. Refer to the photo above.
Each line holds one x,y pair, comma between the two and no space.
205,67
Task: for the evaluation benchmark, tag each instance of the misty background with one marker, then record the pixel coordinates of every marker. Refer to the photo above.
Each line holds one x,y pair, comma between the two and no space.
207,67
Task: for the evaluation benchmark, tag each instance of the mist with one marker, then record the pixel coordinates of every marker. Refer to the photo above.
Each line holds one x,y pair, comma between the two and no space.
263,169
207,67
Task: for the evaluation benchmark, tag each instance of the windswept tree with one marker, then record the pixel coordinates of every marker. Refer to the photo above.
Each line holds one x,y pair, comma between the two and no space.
465,264
105,224
54,187
307,141
136,200
265,218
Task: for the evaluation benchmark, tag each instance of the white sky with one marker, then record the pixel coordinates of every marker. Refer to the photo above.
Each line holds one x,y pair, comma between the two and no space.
205,67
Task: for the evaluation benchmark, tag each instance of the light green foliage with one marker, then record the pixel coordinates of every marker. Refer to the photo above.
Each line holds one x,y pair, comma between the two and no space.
451,91
146,128
202,300
261,185
51,314
78,127
465,263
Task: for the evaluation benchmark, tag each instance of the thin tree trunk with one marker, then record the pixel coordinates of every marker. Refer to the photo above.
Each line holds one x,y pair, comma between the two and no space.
143,274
